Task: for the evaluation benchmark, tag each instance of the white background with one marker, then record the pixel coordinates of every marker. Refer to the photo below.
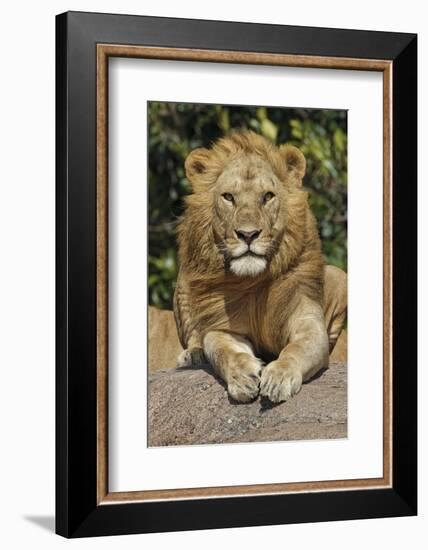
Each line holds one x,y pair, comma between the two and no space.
27,273
132,82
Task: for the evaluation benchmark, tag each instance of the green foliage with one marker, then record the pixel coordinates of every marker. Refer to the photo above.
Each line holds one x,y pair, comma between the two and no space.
175,129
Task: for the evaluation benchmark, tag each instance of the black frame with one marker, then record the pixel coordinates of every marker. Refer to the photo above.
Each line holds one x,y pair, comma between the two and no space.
77,513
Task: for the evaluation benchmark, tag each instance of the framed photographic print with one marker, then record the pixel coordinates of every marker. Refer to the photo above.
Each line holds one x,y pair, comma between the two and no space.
236,274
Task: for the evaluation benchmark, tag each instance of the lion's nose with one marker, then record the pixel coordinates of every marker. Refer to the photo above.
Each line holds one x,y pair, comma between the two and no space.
247,236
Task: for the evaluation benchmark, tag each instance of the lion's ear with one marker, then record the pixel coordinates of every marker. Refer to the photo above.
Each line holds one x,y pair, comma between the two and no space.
295,163
196,167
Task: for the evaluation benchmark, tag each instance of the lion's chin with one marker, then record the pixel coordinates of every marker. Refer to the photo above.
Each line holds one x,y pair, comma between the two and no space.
248,266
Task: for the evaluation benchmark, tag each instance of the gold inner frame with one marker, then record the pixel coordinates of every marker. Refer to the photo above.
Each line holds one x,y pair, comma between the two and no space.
104,51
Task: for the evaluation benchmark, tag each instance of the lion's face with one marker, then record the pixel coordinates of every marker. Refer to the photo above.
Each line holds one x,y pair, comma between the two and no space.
247,215
240,207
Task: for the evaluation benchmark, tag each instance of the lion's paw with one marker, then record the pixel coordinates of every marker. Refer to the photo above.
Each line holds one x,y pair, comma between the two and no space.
279,382
191,358
243,381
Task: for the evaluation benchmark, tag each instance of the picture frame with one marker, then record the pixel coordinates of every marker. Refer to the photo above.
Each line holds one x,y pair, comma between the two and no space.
84,44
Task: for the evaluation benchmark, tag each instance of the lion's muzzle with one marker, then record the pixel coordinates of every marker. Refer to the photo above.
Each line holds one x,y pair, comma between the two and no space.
247,236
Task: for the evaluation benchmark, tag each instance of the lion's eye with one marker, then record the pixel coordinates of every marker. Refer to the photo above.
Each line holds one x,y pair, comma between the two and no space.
228,197
268,196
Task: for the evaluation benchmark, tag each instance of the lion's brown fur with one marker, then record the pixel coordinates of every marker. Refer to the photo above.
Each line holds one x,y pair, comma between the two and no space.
208,297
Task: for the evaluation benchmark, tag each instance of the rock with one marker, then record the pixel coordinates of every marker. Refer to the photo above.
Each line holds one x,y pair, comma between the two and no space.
191,406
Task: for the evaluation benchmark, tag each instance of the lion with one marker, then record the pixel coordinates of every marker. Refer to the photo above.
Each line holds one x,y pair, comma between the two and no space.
250,295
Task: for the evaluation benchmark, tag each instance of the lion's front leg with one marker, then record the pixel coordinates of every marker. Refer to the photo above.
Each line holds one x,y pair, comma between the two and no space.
233,359
193,354
304,355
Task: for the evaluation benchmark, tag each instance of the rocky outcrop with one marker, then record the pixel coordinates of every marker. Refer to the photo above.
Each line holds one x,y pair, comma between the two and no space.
191,406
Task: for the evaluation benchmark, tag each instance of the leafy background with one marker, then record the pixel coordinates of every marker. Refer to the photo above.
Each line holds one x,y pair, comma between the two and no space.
177,128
